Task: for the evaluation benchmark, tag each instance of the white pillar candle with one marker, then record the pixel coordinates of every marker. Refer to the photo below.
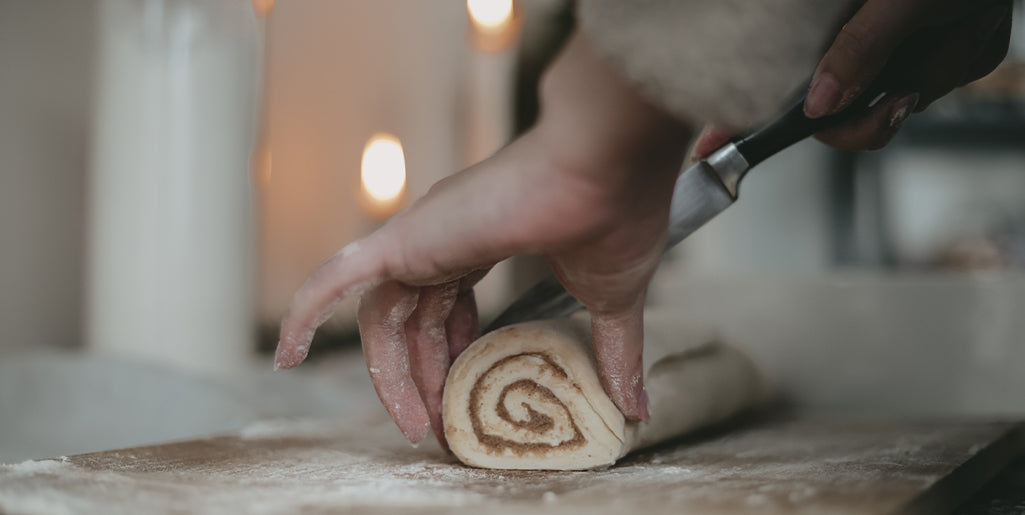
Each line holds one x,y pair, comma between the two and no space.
494,37
170,246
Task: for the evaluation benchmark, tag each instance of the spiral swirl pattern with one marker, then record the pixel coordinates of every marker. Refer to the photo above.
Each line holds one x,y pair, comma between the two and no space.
527,397
527,410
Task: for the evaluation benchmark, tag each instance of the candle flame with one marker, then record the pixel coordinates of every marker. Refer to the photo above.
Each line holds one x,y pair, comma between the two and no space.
490,14
383,170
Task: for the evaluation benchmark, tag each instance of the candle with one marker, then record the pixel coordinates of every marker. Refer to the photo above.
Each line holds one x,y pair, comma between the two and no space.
170,248
495,24
263,7
494,36
494,31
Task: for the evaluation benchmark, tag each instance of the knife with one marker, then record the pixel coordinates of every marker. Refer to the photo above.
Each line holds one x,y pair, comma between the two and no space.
701,192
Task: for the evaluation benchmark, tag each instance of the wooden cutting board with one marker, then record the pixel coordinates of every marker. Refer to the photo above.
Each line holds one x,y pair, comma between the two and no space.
792,466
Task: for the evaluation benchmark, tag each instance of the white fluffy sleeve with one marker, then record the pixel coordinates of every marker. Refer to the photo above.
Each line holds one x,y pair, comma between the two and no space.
732,62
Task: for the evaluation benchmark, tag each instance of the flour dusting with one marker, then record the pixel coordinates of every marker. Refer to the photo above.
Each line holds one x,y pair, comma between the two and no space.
35,467
366,466
284,428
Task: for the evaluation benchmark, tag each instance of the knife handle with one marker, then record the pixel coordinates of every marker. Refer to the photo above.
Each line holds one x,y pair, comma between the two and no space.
794,126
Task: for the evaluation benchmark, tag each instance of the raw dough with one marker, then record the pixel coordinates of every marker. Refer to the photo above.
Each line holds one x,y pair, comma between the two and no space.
528,396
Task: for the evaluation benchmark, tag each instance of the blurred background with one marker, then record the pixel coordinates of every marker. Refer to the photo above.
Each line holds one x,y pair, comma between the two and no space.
171,170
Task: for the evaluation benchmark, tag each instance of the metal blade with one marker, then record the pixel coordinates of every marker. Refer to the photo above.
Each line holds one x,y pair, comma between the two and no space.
698,196
546,299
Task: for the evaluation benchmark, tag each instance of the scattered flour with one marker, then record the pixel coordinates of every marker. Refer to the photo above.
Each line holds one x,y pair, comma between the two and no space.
348,466
36,467
46,502
286,428
757,500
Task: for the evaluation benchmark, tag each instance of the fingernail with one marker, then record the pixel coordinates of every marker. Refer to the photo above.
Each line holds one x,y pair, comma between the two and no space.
901,109
643,404
288,356
823,96
417,434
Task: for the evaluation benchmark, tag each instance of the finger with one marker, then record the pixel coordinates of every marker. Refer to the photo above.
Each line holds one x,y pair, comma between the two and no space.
428,347
618,345
874,129
382,317
994,52
710,139
353,270
441,242
429,243
953,61
858,53
463,326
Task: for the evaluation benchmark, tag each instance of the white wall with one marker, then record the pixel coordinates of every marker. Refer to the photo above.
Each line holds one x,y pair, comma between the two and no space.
337,73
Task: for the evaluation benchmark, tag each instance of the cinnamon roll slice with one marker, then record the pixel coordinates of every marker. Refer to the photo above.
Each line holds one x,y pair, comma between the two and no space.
528,396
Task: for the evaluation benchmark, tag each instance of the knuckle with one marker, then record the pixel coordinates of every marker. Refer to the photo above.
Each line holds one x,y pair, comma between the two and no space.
397,260
440,185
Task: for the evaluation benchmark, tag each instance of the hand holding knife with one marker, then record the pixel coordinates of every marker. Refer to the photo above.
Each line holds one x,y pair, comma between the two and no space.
701,192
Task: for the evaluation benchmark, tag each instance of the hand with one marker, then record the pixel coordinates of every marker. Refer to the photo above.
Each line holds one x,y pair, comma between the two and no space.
589,188
919,50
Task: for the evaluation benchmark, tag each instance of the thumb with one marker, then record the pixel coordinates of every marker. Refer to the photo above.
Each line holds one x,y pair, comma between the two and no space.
858,53
618,345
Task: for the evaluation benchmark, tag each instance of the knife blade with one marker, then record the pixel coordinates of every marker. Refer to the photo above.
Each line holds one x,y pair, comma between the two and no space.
701,192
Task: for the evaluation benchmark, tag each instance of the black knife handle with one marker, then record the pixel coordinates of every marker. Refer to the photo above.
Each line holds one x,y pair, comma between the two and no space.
794,126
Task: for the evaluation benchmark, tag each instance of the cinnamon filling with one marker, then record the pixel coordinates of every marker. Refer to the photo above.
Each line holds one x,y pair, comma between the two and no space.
535,422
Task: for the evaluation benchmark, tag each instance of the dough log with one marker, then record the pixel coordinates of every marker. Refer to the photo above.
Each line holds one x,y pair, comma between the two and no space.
528,396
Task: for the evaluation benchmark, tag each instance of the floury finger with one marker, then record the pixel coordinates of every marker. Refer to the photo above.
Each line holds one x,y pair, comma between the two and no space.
383,314
355,269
